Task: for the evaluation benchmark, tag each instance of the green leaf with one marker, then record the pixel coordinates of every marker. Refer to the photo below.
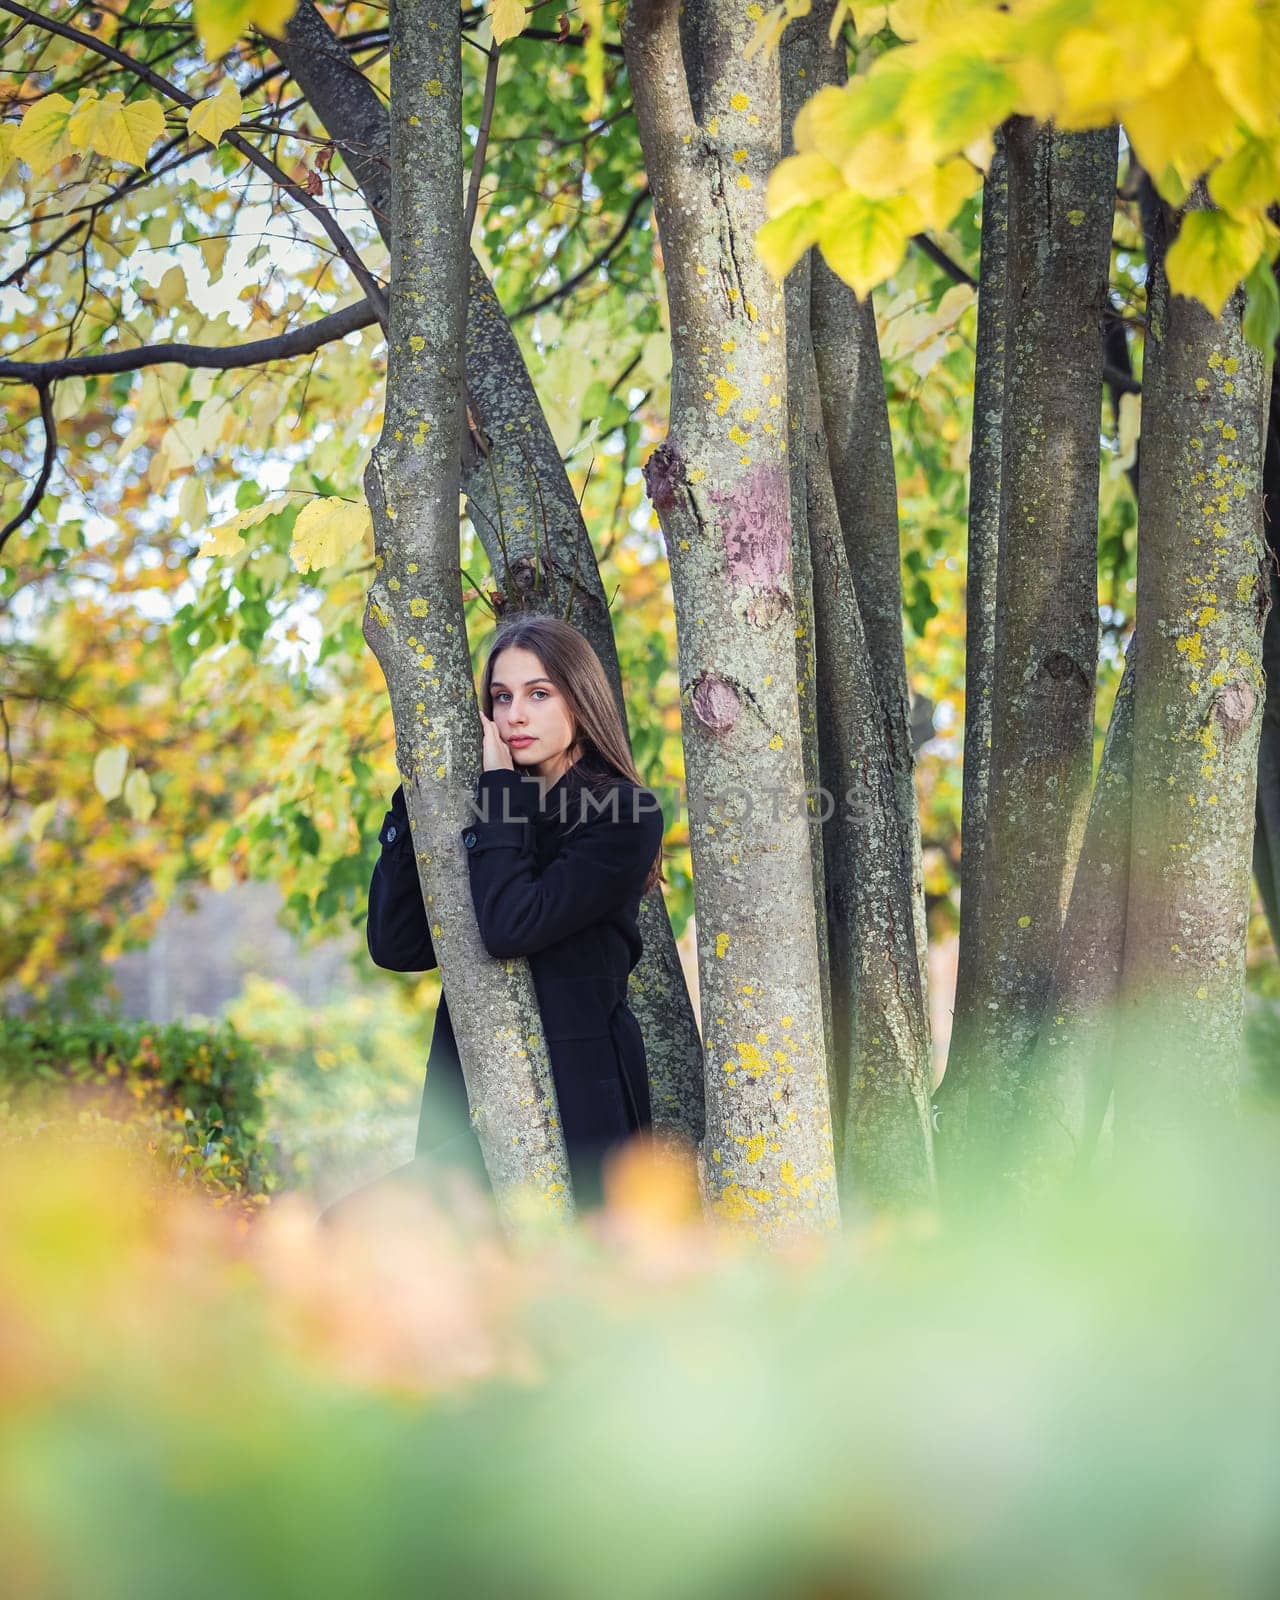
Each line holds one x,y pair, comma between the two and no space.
1210,256
1262,307
1248,180
865,240
782,240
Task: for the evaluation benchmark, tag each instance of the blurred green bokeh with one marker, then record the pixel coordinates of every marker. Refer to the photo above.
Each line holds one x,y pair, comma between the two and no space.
1065,1394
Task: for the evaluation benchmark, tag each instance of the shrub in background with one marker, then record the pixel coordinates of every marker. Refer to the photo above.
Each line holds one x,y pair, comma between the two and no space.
188,1097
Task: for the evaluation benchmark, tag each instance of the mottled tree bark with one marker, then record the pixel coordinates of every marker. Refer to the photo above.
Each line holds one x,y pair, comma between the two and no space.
796,59
1061,203
877,996
1203,594
414,621
855,418
1067,1089
1266,828
983,543
524,509
720,486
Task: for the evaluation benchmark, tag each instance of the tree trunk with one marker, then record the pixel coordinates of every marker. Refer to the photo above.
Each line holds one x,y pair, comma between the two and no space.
855,418
1203,594
719,483
1070,1080
414,620
985,452
1061,203
796,65
524,509
1266,828
877,995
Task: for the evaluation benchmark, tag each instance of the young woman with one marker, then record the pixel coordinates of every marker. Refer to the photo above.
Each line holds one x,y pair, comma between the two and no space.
566,841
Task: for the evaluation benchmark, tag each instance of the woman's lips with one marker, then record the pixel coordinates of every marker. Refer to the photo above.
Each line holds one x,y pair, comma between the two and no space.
517,743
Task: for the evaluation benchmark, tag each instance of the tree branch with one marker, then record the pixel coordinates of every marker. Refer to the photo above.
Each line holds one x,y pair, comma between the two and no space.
482,141
46,466
280,347
940,258
596,262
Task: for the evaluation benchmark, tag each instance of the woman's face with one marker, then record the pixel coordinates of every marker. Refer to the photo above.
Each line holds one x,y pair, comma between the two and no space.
531,714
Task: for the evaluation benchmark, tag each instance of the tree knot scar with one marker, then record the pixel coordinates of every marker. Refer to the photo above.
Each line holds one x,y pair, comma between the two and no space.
715,702
1059,665
663,475
1233,706
756,527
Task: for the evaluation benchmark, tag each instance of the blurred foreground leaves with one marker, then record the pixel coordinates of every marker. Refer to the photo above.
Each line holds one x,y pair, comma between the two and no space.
1074,1395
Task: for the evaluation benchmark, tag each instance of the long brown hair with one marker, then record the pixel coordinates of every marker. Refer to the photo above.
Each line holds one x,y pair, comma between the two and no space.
572,665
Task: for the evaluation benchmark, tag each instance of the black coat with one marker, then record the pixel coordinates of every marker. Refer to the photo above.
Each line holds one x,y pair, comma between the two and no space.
557,880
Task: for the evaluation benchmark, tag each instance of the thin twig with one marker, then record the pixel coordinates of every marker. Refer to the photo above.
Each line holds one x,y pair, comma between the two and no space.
45,391
482,141
940,258
596,262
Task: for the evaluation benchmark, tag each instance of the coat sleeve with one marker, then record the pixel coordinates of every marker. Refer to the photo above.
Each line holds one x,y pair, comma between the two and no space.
601,864
398,935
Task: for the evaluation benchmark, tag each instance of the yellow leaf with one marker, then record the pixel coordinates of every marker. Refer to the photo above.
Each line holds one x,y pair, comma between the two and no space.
8,133
881,163
68,398
1249,178
798,180
834,120
108,770
221,22
326,530
40,818
868,21
172,288
1090,65
592,14
209,119
1184,125
1239,40
914,19
1211,255
42,140
508,20
138,795
1130,421
214,254
864,240
956,97
115,130
193,505
783,240
225,540
941,191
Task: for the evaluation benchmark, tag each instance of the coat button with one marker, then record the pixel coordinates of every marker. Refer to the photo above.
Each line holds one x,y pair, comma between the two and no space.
469,838
391,833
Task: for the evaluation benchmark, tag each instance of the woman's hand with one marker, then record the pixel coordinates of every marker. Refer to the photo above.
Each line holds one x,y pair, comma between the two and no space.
497,756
